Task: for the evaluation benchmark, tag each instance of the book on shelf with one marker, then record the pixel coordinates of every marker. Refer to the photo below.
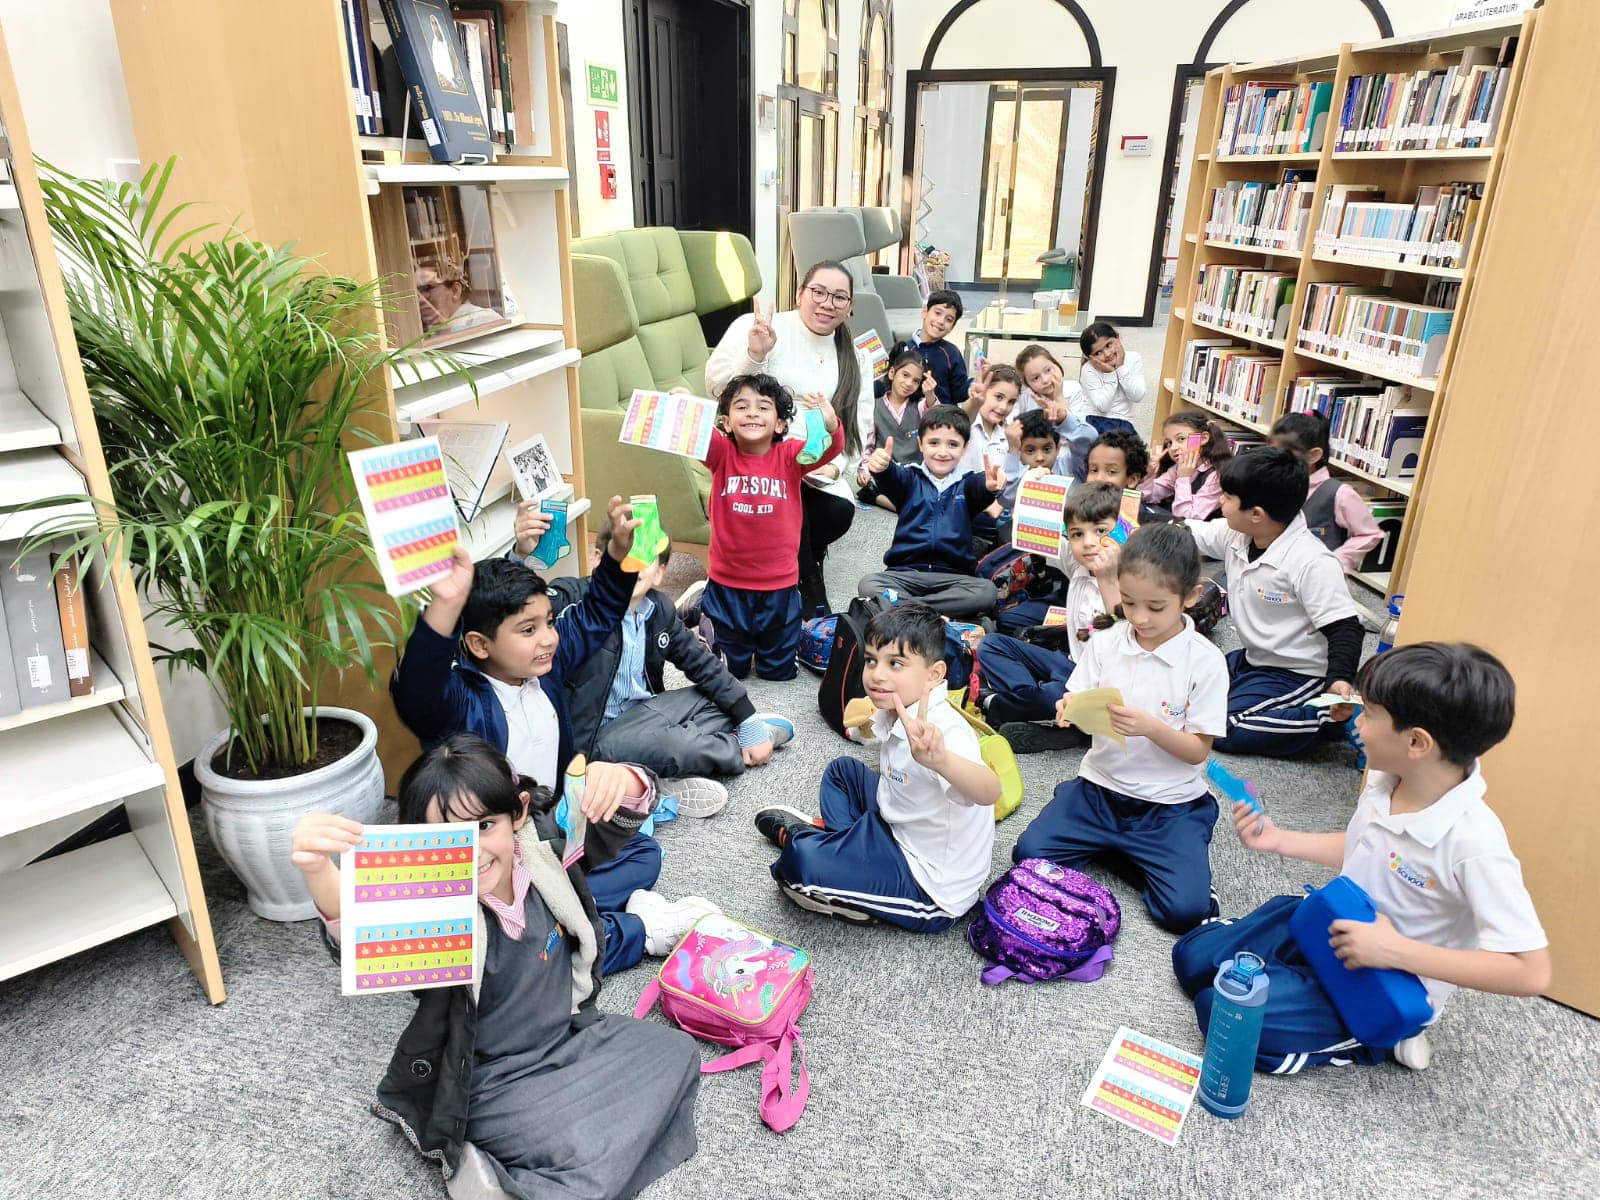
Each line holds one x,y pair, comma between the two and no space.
1252,213
471,450
490,62
34,624
1376,428
1236,381
10,698
1254,302
74,624
1446,108
428,51
364,96
1242,440
1435,229
1370,329
1274,118
1390,514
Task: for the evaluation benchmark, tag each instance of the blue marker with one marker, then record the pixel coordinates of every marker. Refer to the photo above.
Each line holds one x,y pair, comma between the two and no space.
1237,790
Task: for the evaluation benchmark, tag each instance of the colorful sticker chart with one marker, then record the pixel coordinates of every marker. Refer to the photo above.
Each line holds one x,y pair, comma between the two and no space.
1056,614
1038,522
674,422
408,908
1145,1083
871,345
411,517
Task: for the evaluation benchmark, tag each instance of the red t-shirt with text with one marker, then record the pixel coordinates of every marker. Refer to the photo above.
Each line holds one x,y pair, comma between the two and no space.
755,512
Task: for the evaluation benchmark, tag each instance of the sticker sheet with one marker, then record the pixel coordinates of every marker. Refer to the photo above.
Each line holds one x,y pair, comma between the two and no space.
1038,521
1145,1083
677,423
411,517
408,908
871,345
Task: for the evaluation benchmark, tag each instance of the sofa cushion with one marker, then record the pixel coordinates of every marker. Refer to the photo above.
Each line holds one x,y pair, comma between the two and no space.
652,261
677,353
601,300
722,267
607,378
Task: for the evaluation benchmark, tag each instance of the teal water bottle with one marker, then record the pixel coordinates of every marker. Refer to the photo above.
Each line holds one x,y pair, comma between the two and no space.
1234,1034
1390,633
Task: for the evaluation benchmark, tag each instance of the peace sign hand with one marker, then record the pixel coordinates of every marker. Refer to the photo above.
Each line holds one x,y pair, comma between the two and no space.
994,475
762,336
924,739
980,385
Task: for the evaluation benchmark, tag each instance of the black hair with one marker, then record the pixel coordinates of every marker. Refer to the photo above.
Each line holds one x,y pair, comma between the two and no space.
1305,432
1091,335
944,296
1132,447
1091,503
1458,692
1004,373
904,354
500,590
1216,450
1164,552
764,385
847,392
946,416
470,779
1270,478
604,535
915,628
1036,425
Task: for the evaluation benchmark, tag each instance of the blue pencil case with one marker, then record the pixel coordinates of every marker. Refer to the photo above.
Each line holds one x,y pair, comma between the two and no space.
1380,1007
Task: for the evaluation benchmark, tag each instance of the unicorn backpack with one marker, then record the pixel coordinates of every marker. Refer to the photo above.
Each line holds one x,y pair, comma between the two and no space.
736,986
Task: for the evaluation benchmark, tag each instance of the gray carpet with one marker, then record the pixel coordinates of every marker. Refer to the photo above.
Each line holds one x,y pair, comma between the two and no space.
121,1082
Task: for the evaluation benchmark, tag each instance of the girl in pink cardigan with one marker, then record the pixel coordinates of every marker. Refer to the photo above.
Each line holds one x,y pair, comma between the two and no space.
1186,470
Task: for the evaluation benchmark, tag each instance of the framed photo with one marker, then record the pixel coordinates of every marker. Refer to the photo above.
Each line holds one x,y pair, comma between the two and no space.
534,469
455,267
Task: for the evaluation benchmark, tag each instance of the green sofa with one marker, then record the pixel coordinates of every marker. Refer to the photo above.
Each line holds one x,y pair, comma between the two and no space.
639,295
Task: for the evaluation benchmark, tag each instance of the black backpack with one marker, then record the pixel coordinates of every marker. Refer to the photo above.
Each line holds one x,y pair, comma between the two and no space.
841,680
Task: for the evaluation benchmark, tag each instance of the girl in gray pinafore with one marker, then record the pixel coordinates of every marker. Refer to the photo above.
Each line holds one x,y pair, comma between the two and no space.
520,1082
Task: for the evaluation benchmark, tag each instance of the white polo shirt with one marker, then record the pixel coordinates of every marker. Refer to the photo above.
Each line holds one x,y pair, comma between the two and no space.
1445,876
1084,604
947,840
1183,682
984,442
1279,601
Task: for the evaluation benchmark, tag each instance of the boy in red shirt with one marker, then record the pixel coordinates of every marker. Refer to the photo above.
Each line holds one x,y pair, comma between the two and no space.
752,596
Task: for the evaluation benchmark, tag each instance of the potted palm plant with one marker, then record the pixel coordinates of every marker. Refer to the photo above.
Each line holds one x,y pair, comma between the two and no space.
228,376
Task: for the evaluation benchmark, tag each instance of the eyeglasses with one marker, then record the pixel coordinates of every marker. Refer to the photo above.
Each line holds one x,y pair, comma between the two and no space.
823,298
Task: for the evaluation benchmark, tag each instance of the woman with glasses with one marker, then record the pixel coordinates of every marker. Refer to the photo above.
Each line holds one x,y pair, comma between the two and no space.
810,349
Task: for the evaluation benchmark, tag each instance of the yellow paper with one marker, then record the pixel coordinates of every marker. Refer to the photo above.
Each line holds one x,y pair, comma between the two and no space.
1088,711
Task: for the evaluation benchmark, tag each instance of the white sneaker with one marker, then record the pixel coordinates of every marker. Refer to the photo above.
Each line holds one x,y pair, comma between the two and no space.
689,602
782,728
667,921
1414,1052
696,797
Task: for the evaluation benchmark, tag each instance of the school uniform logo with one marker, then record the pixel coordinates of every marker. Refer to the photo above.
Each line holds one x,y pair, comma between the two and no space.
662,639
1171,709
896,776
1272,597
1410,874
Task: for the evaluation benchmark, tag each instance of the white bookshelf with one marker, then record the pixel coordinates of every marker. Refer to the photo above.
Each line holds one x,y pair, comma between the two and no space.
22,425
444,173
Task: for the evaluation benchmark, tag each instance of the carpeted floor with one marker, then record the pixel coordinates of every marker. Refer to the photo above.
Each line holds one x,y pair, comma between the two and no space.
121,1082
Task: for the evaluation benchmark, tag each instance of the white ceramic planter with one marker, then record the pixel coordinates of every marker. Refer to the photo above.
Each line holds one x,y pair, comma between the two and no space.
251,822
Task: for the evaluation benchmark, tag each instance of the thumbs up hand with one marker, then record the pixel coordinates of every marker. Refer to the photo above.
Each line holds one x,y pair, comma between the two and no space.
878,461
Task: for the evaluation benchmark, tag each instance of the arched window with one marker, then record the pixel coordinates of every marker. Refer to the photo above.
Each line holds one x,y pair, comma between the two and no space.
808,120
874,104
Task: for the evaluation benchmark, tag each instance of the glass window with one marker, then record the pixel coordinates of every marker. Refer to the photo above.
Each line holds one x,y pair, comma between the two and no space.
812,40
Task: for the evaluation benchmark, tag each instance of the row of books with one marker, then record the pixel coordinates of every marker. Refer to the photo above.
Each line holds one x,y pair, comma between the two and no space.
1253,213
1370,329
1274,118
429,214
1435,229
1377,428
44,631
1237,381
1254,302
451,62
1449,108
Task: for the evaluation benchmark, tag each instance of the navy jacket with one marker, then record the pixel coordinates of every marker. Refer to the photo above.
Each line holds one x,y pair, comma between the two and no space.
935,529
438,694
949,371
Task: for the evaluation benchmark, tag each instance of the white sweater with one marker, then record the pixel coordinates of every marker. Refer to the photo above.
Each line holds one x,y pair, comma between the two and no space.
1111,393
802,362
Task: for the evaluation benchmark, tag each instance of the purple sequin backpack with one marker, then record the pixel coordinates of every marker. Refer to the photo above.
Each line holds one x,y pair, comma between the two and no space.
1041,922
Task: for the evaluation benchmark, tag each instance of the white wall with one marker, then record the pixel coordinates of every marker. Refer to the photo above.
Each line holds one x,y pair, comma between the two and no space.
594,34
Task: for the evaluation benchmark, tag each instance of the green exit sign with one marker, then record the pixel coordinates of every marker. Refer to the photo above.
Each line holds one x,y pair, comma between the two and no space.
603,88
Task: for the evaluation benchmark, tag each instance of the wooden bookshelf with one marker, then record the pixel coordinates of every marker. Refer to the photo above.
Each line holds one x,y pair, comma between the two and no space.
69,762
289,162
1400,173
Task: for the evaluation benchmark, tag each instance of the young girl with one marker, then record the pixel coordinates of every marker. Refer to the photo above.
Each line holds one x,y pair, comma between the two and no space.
1333,510
1146,801
1189,476
520,1083
1050,393
906,393
1112,379
751,596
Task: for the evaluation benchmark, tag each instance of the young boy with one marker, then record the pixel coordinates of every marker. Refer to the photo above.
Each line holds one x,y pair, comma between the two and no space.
1024,682
1452,908
931,556
1119,457
622,712
948,368
910,846
1290,605
489,658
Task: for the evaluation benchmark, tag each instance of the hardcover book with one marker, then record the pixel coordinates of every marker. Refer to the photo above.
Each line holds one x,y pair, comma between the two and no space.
437,79
34,624
74,624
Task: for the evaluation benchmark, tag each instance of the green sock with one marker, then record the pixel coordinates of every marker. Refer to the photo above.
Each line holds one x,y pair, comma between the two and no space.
649,540
817,438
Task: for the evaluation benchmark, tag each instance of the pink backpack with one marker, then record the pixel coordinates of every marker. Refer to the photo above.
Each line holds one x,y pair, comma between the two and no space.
736,986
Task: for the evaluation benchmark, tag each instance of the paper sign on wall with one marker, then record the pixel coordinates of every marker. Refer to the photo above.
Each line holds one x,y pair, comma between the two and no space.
411,518
1038,521
871,345
408,906
671,421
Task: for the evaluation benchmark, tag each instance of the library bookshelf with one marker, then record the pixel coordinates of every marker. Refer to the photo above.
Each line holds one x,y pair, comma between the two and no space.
289,164
1398,174
70,762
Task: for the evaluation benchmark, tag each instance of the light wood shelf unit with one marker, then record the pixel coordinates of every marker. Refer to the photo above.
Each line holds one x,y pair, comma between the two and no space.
288,161
1400,173
69,762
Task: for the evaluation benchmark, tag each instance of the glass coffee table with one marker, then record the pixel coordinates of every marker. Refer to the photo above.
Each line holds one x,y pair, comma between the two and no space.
1022,325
